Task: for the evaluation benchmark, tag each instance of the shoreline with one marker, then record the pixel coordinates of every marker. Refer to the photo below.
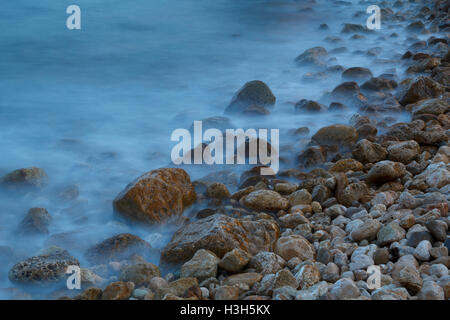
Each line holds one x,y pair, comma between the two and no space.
370,193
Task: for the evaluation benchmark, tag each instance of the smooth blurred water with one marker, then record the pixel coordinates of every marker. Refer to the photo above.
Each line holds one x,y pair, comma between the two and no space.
96,107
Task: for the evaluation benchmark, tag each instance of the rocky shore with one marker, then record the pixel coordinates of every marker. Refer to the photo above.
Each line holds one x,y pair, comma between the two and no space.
373,192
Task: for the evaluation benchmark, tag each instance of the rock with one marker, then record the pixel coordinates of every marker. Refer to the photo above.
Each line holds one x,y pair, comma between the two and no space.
218,191
90,294
356,74
248,278
345,165
118,291
117,248
344,289
416,26
220,234
292,246
381,256
422,88
267,262
307,276
410,278
180,288
354,28
226,293
438,229
23,179
368,230
378,84
368,152
430,106
292,220
140,274
266,200
285,188
390,233
235,260
300,197
252,93
353,192
203,265
313,56
348,93
156,196
337,134
36,221
312,156
385,171
271,282
331,273
431,291
403,152
436,175
309,106
422,251
255,110
415,236
48,267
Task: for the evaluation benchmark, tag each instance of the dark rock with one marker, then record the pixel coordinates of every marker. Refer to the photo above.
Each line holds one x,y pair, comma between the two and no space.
252,93
35,222
309,106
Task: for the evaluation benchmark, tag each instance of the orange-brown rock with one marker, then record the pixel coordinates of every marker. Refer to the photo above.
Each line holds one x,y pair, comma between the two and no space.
156,196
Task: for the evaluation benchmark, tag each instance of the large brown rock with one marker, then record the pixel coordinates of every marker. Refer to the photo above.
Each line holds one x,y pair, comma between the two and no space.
422,88
156,196
337,134
220,234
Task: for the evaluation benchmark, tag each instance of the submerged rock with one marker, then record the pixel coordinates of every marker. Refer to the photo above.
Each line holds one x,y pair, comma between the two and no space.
26,178
117,248
35,222
357,74
313,56
156,196
252,93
